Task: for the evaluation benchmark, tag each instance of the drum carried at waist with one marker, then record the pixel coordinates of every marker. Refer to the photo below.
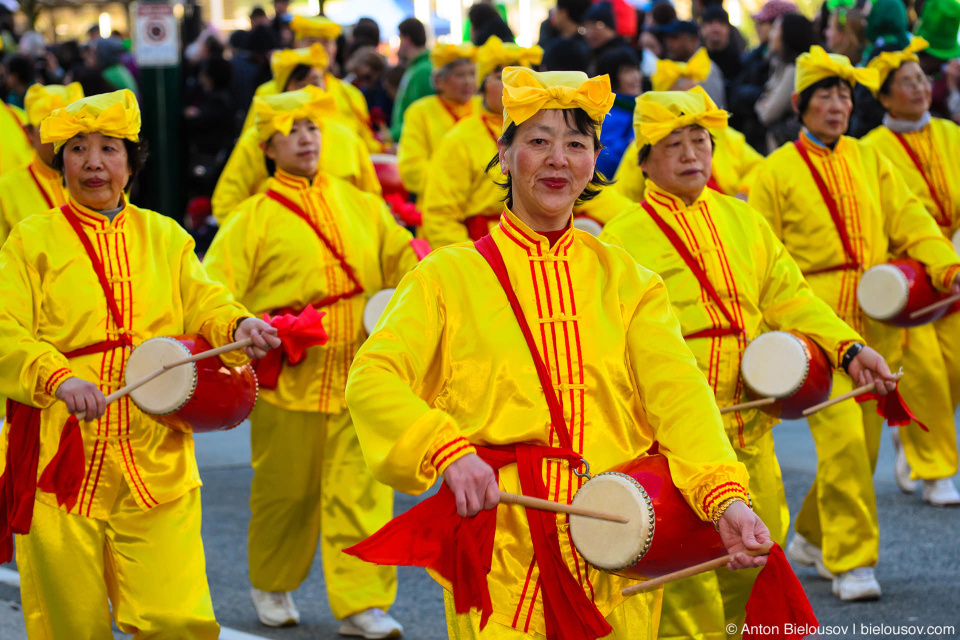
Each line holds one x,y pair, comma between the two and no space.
375,307
388,174
663,535
891,292
789,367
197,397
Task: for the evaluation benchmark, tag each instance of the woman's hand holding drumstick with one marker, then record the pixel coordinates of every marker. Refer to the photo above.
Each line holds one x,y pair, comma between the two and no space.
262,335
869,367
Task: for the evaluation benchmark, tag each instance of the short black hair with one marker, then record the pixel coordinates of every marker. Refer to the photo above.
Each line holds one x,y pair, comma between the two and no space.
414,30
497,28
610,63
827,83
575,8
585,125
257,12
299,73
22,67
137,155
480,14
796,35
219,71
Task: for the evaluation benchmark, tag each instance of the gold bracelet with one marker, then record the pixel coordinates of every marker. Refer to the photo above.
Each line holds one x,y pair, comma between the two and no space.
722,508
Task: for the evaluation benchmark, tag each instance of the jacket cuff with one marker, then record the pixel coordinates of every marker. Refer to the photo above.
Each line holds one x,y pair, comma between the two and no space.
720,494
448,447
948,277
56,378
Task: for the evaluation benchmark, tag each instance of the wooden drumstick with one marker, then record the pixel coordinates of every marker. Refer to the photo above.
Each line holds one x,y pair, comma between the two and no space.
133,386
867,388
558,507
703,567
936,305
762,402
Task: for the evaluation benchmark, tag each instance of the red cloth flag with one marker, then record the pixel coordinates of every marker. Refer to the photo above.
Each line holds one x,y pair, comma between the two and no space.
406,211
298,333
778,602
892,408
64,475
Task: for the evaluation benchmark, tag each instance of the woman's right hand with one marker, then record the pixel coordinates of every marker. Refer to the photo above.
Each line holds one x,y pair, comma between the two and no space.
474,484
82,396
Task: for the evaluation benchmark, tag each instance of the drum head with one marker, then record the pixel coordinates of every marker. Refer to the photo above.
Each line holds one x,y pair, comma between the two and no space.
374,309
774,364
956,240
169,391
883,292
613,546
589,225
383,158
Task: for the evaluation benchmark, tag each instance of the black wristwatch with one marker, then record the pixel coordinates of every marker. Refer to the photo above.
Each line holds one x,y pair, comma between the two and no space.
851,353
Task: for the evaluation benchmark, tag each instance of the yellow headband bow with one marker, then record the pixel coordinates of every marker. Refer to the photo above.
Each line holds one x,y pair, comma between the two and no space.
277,113
816,65
444,54
660,113
115,114
668,72
526,92
282,63
889,61
41,100
494,53
318,27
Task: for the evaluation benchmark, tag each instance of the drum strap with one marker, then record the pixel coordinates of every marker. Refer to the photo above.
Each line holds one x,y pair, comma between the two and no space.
36,182
942,220
852,261
700,274
479,226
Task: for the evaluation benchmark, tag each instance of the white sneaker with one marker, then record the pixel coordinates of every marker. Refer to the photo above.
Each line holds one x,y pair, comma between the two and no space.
371,624
809,555
940,493
857,584
901,468
275,608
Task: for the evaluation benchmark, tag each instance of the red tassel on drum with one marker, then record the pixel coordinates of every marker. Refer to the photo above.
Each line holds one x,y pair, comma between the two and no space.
64,474
778,608
892,408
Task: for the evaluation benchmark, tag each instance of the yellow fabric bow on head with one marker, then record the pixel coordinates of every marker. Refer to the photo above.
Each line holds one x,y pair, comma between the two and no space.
114,114
277,113
668,72
660,113
889,61
317,27
282,63
816,65
444,54
526,92
494,53
41,100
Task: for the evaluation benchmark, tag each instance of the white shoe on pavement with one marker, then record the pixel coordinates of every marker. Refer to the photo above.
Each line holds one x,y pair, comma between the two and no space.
941,493
275,608
371,624
857,584
901,468
809,555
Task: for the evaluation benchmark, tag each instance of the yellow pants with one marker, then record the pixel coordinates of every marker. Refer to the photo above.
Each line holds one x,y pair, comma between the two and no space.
635,619
149,564
839,513
310,483
701,607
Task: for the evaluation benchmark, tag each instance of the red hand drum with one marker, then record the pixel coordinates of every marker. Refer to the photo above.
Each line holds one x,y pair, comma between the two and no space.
193,398
664,534
787,366
388,174
375,307
890,292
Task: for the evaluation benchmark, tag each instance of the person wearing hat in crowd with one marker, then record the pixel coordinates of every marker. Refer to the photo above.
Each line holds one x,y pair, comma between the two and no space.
311,239
922,150
840,208
759,287
413,389
16,149
107,511
792,35
428,119
344,154
417,80
939,24
716,33
681,39
600,33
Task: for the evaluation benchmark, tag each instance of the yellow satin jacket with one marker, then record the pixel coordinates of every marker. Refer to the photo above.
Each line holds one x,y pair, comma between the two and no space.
425,122
36,188
15,148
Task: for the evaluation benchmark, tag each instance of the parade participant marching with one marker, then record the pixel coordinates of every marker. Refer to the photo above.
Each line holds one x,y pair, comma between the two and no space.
311,239
920,148
758,286
428,119
15,148
840,208
344,156
117,516
446,384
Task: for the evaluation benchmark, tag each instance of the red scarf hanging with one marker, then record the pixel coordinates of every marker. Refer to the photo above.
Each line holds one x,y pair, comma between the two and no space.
943,220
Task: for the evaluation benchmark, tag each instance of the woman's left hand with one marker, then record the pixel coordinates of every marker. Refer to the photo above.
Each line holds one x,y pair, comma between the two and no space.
869,366
742,529
263,335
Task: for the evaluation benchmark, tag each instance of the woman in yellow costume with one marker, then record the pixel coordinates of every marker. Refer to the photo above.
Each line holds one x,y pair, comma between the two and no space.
604,328
758,286
344,155
428,119
116,522
839,207
311,239
923,151
15,148
734,161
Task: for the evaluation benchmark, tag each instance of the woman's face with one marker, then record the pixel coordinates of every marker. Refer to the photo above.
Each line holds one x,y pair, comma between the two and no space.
458,84
776,36
493,91
681,163
630,80
550,163
834,33
96,170
910,92
298,152
828,113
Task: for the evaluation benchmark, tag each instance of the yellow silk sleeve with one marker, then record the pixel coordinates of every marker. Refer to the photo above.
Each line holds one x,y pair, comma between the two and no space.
397,256
244,175
367,179
446,193
629,178
413,152
750,162
764,199
680,406
31,370
232,257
